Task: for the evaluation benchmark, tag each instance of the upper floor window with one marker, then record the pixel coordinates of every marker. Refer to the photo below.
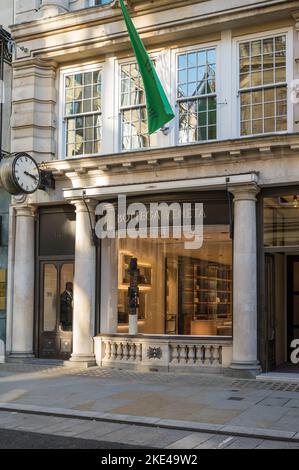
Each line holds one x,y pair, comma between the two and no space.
102,2
82,113
262,85
196,96
134,130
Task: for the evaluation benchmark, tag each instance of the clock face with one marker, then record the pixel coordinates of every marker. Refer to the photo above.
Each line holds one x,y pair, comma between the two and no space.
26,173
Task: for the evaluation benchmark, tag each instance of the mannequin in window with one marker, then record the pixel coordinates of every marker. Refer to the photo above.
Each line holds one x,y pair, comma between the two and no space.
66,307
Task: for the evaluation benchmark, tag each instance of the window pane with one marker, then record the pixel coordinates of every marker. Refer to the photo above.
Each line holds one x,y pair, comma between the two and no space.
182,61
257,126
66,296
192,59
269,125
88,78
245,50
85,91
134,130
246,128
280,75
245,65
281,227
245,80
268,62
50,297
198,76
268,76
268,46
181,292
262,62
245,113
281,124
269,109
86,106
256,79
256,48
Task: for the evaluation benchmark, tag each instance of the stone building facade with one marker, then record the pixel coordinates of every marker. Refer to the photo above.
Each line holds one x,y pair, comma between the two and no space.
229,70
6,20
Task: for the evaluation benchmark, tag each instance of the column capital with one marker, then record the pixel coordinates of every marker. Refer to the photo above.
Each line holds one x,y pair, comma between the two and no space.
295,15
84,205
244,192
25,211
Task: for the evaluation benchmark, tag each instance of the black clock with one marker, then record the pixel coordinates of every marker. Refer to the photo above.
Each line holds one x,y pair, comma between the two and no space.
19,174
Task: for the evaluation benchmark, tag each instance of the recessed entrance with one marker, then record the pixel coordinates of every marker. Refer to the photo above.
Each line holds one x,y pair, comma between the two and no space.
281,246
56,310
54,290
282,306
292,300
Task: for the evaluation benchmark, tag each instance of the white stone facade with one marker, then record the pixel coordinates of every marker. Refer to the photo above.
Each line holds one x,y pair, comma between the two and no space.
66,35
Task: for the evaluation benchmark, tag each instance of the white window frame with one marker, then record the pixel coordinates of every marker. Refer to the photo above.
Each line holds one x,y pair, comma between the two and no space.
118,138
174,79
64,71
236,78
92,3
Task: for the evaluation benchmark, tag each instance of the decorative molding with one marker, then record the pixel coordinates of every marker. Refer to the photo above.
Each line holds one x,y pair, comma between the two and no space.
154,352
187,155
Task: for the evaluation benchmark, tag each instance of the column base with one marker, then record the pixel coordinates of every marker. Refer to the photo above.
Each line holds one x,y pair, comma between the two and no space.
246,370
20,357
81,360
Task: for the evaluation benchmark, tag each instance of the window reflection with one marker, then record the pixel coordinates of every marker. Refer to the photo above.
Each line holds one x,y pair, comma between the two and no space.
281,220
66,297
181,291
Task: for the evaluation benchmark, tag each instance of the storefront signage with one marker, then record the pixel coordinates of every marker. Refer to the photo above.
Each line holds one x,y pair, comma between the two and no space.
178,220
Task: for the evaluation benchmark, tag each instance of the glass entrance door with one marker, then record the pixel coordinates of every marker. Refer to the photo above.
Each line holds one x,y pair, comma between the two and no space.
293,301
56,309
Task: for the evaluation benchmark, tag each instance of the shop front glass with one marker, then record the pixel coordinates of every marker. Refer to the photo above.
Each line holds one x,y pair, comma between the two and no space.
181,291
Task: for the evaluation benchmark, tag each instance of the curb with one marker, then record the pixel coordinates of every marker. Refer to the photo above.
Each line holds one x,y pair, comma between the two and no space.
238,431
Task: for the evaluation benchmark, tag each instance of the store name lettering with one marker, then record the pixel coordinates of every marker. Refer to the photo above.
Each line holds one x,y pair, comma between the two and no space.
154,220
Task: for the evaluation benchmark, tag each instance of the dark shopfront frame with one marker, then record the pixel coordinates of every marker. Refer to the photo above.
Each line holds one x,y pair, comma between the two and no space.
264,341
180,197
39,259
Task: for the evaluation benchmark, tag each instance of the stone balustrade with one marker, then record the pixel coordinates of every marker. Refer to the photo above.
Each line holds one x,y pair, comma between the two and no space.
163,352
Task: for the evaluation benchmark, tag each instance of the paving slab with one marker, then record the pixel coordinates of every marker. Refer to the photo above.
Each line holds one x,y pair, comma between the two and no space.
277,445
190,441
258,432
244,443
215,442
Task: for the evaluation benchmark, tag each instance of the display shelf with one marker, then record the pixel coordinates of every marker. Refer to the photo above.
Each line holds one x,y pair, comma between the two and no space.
211,291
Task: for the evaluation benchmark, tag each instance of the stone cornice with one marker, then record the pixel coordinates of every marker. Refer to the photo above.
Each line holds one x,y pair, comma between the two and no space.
95,16
238,150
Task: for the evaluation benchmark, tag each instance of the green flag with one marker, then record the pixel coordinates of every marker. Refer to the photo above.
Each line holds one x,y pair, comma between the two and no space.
159,111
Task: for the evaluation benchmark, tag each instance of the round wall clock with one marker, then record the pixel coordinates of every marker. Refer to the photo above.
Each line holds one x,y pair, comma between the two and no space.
19,174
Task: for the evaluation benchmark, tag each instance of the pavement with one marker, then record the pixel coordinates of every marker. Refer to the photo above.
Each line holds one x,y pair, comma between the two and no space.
11,439
150,409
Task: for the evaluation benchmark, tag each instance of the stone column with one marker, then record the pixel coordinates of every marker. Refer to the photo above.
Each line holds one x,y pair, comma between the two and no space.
23,284
84,286
245,280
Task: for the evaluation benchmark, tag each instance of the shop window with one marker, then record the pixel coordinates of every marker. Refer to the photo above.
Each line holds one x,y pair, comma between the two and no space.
82,113
134,129
281,221
262,86
181,291
196,96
